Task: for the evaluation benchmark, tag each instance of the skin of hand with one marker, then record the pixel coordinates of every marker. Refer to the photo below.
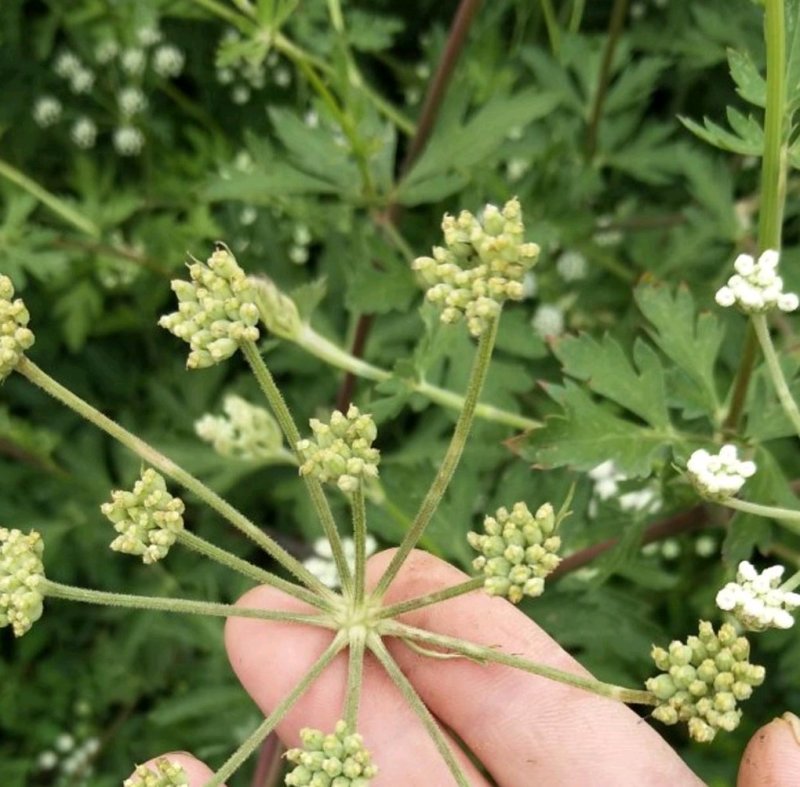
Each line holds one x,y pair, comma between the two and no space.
524,729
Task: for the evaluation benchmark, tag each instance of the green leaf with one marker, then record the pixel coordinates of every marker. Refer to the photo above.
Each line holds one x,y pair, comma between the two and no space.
587,435
690,340
750,85
79,309
718,137
461,144
608,372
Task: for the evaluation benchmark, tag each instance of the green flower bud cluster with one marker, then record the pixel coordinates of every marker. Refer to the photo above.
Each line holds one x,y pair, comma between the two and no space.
703,680
15,336
518,550
482,266
341,451
335,760
162,773
21,575
148,519
245,431
278,311
216,309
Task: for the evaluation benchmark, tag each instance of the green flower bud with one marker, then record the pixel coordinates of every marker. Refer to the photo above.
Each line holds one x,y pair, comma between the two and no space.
515,554
335,760
217,310
162,773
276,310
15,336
702,690
341,451
148,519
21,577
481,267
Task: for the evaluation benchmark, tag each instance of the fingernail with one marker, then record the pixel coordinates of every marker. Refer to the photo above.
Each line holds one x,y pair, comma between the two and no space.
794,723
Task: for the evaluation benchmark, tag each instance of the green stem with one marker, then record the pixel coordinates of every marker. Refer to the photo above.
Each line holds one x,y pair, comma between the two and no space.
576,16
418,706
327,351
56,204
615,25
480,367
153,457
773,173
785,516
553,32
775,372
360,542
179,605
431,598
247,569
355,673
292,434
791,583
265,728
481,653
238,20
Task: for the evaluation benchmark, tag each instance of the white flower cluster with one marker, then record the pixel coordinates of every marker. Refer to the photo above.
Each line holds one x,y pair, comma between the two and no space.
756,286
548,320
70,760
216,310
483,265
128,140
572,266
243,77
301,240
322,565
719,476
162,773
47,111
518,551
84,132
148,519
756,600
21,577
168,61
341,451
245,431
131,101
338,759
15,336
607,478
69,67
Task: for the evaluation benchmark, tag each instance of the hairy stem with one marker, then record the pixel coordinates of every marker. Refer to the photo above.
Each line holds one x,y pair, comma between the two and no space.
409,605
292,434
274,718
360,542
477,377
247,569
153,457
418,706
618,14
331,353
179,605
788,403
481,653
355,677
785,516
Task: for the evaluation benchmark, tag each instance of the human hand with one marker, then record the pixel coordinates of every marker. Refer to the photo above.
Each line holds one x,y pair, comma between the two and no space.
525,729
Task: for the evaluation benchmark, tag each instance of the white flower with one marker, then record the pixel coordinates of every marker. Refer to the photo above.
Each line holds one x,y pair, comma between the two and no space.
64,742
719,476
248,215
240,94
168,61
298,254
756,600
530,286
548,320
516,168
322,565
301,234
84,132
282,76
756,286
46,111
128,141
225,76
133,61
147,36
606,479
106,51
81,80
66,65
131,101
571,266
47,760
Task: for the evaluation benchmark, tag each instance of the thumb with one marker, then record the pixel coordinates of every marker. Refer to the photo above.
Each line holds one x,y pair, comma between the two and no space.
772,758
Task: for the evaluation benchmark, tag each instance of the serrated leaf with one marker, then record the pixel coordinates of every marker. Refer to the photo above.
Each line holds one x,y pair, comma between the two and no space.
747,128
690,340
636,83
79,309
608,372
718,137
588,435
750,85
371,290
